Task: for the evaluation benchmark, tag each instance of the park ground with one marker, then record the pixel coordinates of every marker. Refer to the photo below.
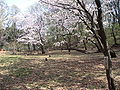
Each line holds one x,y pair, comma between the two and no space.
60,71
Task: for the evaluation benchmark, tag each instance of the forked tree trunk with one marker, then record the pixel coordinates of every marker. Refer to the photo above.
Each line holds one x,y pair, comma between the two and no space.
106,51
98,48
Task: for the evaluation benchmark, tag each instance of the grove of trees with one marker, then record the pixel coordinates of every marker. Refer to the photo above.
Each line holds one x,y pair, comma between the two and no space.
81,25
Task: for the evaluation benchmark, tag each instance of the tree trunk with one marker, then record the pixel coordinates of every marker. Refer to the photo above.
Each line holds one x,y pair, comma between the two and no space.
28,46
118,5
108,68
42,49
14,48
114,37
34,48
68,48
85,46
61,47
69,44
113,33
106,52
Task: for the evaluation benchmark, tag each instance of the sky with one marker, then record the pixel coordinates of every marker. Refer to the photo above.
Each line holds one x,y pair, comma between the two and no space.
21,4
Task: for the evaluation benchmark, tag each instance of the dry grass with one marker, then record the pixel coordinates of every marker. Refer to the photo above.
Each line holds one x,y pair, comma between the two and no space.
60,72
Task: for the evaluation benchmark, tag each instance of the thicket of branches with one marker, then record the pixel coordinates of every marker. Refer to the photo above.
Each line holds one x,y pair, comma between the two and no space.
64,25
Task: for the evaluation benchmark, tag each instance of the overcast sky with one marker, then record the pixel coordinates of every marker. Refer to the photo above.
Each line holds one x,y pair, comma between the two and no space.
21,4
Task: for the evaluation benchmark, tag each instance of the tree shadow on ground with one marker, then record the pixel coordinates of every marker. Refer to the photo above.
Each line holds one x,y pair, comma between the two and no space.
69,74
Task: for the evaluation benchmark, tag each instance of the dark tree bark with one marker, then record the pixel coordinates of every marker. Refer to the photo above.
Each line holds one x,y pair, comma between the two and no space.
118,6
98,48
34,47
68,44
106,52
100,37
28,46
42,49
113,33
85,46
98,32
68,48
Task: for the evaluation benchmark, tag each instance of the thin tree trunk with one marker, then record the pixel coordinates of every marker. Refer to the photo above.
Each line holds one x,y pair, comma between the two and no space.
42,49
114,37
118,5
113,33
14,47
61,47
68,48
108,68
69,44
85,46
34,48
42,45
28,46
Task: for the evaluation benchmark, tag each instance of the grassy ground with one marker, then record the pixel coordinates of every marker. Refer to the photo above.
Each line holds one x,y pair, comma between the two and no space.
60,72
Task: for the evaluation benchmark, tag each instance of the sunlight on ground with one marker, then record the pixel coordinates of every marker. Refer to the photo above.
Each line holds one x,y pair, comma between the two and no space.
59,72
99,66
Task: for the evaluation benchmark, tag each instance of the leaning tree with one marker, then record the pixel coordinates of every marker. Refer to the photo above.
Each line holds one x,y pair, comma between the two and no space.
90,13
